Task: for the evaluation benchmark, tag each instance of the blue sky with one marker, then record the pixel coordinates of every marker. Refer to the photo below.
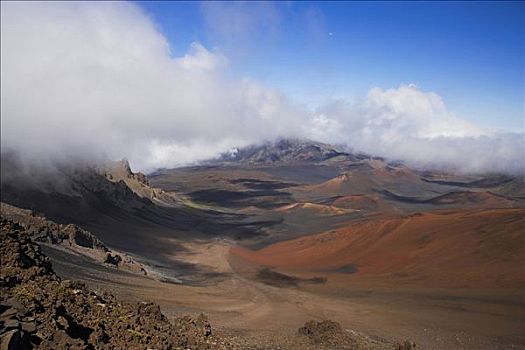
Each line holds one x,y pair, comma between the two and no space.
470,53
433,84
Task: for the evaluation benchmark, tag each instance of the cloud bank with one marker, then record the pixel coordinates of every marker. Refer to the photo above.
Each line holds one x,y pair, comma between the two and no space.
408,124
99,80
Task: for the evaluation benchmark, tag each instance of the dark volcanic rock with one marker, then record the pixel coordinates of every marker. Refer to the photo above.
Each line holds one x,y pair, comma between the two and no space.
39,310
331,335
14,340
44,230
322,332
407,345
70,236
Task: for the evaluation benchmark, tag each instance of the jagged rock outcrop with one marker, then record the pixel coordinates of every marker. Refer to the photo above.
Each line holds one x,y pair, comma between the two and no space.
120,172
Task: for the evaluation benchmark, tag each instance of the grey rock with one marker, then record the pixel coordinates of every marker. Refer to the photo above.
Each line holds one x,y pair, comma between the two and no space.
29,327
62,321
15,304
11,324
9,313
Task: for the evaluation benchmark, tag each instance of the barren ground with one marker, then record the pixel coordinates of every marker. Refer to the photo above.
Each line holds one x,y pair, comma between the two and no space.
241,305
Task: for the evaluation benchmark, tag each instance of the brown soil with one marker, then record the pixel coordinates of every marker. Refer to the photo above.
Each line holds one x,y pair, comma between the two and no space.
39,310
481,247
449,279
261,316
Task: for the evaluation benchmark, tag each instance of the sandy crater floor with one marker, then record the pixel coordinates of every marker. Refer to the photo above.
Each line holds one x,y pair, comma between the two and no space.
241,305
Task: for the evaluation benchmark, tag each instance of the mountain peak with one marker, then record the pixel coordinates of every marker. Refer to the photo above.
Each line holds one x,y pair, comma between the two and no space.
284,150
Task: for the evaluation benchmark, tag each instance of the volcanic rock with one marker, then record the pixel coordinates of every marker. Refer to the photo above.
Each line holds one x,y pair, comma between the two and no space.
66,314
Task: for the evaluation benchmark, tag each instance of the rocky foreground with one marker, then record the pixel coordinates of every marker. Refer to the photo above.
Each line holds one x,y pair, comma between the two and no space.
39,310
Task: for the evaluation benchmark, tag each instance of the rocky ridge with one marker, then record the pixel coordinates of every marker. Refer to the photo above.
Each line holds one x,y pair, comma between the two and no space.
120,172
285,151
70,237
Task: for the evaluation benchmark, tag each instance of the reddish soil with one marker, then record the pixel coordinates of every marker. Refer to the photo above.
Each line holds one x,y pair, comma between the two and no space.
461,248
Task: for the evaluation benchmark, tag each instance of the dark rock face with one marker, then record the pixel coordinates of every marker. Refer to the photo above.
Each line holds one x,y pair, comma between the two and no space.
83,238
113,259
38,310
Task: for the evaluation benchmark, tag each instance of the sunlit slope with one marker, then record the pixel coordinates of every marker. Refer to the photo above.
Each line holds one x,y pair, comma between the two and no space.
457,248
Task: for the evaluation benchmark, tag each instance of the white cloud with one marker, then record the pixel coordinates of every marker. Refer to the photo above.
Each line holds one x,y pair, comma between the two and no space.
409,124
92,78
200,58
421,114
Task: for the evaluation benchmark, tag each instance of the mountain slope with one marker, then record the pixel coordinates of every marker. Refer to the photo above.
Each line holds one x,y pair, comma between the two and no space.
457,248
284,151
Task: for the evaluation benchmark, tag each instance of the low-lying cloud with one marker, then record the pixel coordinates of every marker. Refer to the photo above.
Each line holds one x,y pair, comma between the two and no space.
98,79
408,124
